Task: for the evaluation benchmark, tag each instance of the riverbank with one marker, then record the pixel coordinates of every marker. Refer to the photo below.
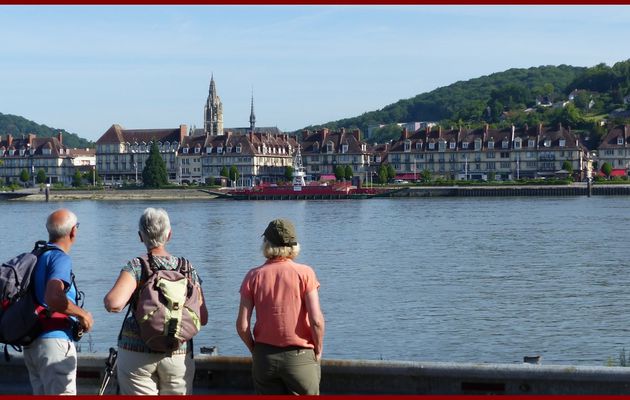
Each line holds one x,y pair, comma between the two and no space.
225,375
121,194
577,189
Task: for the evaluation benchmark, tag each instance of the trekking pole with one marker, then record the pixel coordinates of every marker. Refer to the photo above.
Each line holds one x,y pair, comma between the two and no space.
110,364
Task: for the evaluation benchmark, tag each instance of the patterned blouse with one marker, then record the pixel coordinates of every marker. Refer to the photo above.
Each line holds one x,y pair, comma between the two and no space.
130,336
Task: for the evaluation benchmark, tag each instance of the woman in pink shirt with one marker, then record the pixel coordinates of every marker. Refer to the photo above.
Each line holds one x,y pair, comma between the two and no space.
288,336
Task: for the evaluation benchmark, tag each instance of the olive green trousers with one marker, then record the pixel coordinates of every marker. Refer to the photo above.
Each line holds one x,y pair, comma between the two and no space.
285,370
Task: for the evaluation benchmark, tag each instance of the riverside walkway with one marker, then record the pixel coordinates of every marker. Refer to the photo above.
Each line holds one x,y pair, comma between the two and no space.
232,375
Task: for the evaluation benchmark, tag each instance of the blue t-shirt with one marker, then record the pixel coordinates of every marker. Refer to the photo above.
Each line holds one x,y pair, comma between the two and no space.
54,264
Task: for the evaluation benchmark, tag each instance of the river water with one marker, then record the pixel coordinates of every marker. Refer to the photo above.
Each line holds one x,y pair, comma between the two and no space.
422,279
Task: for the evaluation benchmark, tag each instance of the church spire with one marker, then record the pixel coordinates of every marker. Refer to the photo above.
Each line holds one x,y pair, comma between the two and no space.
213,90
252,117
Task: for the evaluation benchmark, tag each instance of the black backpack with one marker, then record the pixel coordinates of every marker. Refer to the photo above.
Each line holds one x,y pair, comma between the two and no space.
20,313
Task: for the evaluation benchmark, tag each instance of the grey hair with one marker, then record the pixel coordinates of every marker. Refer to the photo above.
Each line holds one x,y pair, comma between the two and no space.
271,251
58,230
154,227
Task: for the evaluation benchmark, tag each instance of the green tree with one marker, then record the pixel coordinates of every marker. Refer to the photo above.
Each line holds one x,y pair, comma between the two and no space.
391,172
567,166
348,173
77,179
340,172
382,174
41,176
154,174
288,173
607,169
427,176
92,175
234,175
582,99
224,171
24,176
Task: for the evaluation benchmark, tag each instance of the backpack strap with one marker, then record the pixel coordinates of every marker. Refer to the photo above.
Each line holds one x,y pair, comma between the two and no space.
145,272
184,267
50,320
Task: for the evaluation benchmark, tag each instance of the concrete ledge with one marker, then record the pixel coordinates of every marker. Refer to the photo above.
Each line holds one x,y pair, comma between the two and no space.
232,375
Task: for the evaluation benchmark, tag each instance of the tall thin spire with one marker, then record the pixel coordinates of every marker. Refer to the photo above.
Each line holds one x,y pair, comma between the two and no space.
252,117
213,89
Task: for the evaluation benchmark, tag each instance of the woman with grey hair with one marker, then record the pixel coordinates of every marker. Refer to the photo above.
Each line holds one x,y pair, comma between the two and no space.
288,337
142,370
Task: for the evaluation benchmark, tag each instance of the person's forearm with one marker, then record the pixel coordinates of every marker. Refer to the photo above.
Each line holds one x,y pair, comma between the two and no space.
247,338
317,331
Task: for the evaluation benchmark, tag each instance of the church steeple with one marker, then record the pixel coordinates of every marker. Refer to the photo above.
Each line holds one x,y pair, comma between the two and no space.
252,117
213,111
212,93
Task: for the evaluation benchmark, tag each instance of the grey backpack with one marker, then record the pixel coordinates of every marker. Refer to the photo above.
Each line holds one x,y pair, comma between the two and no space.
20,315
167,306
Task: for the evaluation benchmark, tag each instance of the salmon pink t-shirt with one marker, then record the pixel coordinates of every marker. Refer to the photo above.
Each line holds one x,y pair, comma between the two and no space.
278,291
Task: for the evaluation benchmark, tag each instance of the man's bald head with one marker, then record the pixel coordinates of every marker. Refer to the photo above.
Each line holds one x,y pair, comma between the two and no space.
60,223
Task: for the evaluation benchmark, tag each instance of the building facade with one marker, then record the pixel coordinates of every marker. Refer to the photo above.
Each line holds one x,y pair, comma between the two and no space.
259,157
121,153
323,150
33,154
486,154
614,148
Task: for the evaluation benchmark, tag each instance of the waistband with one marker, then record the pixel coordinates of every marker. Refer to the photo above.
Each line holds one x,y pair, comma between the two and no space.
271,348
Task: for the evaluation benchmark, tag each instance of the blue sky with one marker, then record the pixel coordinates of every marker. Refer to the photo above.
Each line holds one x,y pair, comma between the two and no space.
83,68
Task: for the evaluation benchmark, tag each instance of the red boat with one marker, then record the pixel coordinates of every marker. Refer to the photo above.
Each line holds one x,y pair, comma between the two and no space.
300,190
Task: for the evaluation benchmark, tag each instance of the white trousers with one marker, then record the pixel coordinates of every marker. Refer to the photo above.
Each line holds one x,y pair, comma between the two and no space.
154,373
52,366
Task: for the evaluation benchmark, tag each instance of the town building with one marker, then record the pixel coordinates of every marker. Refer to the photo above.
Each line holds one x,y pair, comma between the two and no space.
484,153
34,154
121,153
323,150
258,157
614,149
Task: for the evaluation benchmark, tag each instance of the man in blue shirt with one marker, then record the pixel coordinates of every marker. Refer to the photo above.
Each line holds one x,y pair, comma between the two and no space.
52,358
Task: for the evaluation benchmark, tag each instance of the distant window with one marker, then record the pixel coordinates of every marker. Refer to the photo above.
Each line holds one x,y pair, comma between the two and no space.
185,150
238,148
197,150
517,143
419,146
209,149
363,147
477,144
220,149
464,145
619,140
547,143
344,148
505,144
451,145
531,143
562,143
22,151
316,146
441,145
431,146
46,152
491,144
11,152
329,147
